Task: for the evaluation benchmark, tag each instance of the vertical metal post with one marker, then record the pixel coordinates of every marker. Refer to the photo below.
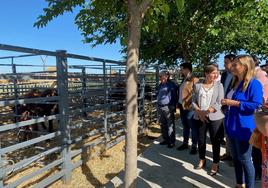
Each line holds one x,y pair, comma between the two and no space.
142,95
1,166
157,86
15,82
157,77
84,89
62,79
105,102
110,77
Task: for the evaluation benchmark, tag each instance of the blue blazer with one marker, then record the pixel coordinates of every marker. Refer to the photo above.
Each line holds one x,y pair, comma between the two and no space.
239,121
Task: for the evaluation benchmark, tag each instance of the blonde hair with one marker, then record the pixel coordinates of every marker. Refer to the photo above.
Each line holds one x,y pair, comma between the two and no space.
248,62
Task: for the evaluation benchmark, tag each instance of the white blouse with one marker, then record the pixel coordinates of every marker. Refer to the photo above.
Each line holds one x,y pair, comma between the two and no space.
205,96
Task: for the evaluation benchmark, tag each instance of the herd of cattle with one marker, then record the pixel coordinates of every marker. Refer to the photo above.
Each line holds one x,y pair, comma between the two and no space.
24,112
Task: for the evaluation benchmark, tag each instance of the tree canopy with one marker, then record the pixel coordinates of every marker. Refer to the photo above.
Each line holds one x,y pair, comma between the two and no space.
197,34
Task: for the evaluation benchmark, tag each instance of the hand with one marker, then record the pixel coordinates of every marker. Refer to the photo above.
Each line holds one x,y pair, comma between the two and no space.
202,115
230,102
265,106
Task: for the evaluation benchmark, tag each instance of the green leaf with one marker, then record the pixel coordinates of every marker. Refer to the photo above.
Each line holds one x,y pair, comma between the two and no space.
180,5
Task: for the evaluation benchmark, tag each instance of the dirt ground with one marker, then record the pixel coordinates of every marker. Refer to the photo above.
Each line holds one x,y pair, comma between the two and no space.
98,170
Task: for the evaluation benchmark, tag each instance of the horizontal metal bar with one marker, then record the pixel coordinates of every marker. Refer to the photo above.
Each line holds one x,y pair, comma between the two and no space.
113,125
117,132
33,174
115,141
18,56
77,164
26,162
76,152
75,56
82,124
86,135
26,50
28,122
28,101
92,144
49,180
28,143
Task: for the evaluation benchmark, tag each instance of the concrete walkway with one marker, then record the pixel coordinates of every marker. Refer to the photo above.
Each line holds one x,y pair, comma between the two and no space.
160,166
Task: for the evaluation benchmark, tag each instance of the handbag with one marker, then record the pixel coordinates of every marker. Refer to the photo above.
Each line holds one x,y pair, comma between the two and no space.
256,139
261,119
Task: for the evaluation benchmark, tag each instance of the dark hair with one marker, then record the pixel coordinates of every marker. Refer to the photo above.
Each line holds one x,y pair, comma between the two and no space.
164,72
210,68
256,60
230,56
187,66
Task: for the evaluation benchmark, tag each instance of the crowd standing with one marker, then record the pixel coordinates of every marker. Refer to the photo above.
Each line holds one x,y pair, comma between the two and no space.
232,107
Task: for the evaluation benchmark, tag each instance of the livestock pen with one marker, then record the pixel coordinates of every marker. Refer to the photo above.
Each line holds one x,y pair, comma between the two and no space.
90,102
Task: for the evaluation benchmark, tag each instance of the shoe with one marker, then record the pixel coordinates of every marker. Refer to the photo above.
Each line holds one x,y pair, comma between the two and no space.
171,145
164,143
214,169
182,147
193,151
225,157
240,186
201,164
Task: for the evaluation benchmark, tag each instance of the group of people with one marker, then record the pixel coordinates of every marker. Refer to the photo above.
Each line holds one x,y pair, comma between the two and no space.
224,105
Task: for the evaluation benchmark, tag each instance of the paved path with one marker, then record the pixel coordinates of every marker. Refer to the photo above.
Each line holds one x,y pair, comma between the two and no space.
160,166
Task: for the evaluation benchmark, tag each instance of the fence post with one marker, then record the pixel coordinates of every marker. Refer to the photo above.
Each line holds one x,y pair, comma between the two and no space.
15,84
142,98
105,102
1,167
62,79
84,89
157,86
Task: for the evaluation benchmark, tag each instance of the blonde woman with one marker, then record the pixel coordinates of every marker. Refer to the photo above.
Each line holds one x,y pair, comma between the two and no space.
242,100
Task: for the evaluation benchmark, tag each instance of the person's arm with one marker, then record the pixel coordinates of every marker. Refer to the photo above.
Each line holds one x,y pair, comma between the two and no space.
194,98
255,99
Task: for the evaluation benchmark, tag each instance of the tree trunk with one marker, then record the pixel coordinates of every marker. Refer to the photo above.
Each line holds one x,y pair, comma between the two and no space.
134,31
136,14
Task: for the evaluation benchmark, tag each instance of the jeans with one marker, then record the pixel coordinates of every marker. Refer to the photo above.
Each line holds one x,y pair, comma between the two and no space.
167,123
244,170
187,123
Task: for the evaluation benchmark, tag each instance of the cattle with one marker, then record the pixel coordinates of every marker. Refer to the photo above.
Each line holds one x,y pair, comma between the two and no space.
118,91
118,94
28,111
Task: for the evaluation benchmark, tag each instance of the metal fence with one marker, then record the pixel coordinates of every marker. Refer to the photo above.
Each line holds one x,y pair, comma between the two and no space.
91,111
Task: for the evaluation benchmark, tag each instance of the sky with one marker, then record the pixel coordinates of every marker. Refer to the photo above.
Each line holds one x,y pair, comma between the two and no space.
17,18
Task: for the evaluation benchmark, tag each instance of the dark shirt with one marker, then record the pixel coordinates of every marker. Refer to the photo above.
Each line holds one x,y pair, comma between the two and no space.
167,94
227,88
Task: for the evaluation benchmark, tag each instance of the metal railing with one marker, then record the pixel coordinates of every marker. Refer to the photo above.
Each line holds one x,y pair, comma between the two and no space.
89,113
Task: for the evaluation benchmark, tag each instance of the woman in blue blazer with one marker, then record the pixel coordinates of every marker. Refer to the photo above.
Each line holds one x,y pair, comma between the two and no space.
242,100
